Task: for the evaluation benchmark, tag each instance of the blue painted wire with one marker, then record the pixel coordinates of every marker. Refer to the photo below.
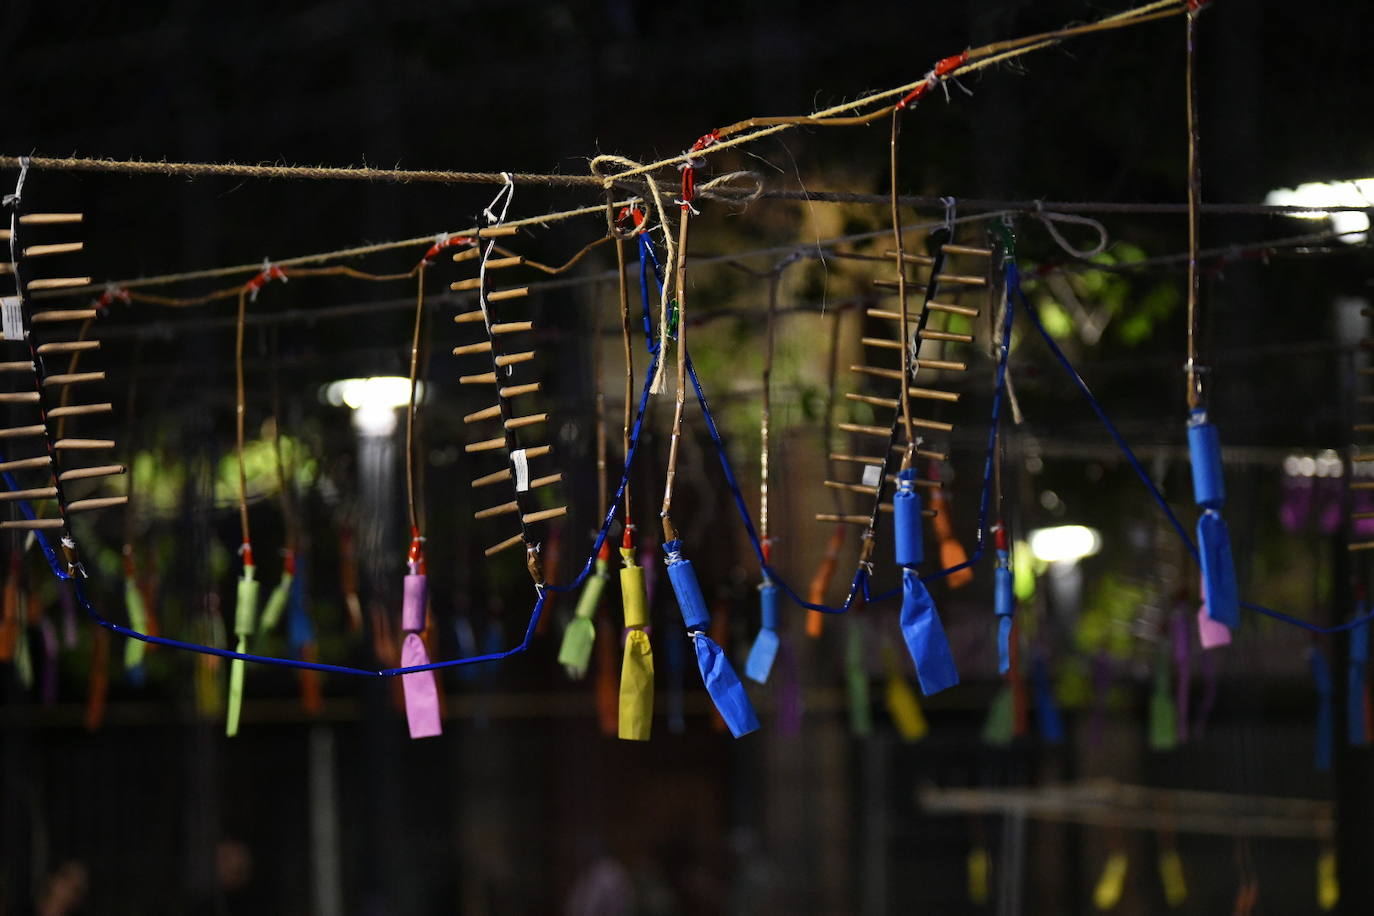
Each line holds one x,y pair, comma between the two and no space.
1159,499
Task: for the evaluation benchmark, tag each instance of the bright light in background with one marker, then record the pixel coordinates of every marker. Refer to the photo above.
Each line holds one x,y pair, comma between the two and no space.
373,400
1064,542
1357,193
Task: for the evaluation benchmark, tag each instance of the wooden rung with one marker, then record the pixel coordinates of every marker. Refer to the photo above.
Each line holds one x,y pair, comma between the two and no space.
18,397
502,295
931,334
104,470
68,346
544,481
79,410
502,263
61,315
493,232
1362,458
880,373
21,365
932,394
511,391
843,519
892,284
537,451
1362,485
971,250
459,286
486,445
530,420
468,254
919,484
909,257
58,283
465,317
851,487
35,251
502,509
33,524
486,378
946,364
495,477
884,313
881,343
15,432
545,514
881,431
1364,427
857,459
37,493
900,448
510,359
100,502
18,464
73,378
1360,516
512,327
482,346
507,543
48,219
932,424
486,413
961,280
1363,545
83,443
967,311
891,403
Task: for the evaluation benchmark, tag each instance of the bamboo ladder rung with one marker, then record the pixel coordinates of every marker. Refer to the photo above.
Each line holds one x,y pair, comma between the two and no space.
468,254
15,432
33,524
881,431
900,448
20,365
501,295
36,251
82,444
49,219
530,420
58,283
503,263
493,232
856,459
970,250
931,334
68,346
486,413
888,509
19,397
512,327
852,487
502,509
842,519
53,315
507,543
104,470
545,514
890,403
100,502
36,493
919,484
1361,545
482,346
19,464
950,308
459,286
485,378
933,394
466,317
486,445
510,359
511,391
73,378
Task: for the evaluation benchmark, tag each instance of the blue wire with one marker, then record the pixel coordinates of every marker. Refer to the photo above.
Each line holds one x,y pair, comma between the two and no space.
1163,505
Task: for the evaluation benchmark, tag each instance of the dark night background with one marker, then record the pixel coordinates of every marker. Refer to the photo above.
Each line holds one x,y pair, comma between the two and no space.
512,809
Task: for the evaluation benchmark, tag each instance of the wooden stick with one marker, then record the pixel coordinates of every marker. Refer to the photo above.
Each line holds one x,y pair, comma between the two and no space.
90,505
79,410
105,470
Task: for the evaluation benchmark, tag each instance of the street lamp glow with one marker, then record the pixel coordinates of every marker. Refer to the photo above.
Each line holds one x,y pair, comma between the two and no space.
1357,193
1064,542
373,400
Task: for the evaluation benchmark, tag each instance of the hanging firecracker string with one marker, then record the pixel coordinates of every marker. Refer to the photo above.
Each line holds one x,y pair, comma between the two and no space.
722,684
759,663
636,694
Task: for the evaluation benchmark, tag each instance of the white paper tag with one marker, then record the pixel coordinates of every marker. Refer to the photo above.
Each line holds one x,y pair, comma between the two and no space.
873,473
522,470
12,318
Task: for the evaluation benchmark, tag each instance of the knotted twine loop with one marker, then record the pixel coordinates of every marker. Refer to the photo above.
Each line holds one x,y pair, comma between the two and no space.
1049,218
670,244
723,188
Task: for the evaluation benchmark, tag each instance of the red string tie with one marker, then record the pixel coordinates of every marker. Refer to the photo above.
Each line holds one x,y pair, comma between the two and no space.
936,76
269,273
441,241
